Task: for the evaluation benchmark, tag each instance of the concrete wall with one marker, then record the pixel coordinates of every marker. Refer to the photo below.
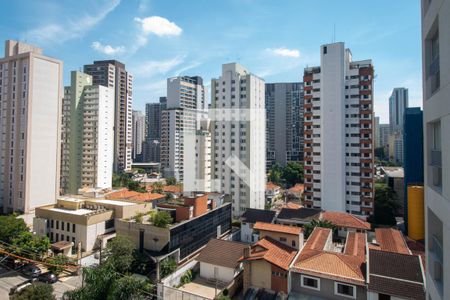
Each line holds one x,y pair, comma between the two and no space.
261,274
295,241
223,274
155,238
374,296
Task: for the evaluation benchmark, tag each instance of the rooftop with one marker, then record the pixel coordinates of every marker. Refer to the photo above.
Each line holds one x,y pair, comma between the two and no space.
222,253
342,219
297,188
393,171
133,196
273,252
253,215
299,214
391,240
277,228
272,186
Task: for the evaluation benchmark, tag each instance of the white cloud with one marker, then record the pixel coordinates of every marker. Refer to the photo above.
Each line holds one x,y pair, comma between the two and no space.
64,31
153,67
285,52
108,49
159,26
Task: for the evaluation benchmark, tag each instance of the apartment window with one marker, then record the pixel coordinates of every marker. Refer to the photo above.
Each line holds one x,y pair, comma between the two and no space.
62,225
68,226
310,282
283,239
52,224
57,237
109,224
435,155
325,50
345,290
57,226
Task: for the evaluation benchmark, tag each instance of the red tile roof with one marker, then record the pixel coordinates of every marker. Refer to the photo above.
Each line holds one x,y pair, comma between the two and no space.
345,220
172,189
347,266
271,186
273,252
277,228
297,188
125,194
391,240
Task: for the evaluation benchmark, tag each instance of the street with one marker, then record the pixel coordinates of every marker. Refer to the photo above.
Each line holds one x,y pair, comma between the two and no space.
11,278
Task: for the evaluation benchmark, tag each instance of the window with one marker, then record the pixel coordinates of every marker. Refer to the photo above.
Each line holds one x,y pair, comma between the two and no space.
57,226
109,224
345,290
293,244
325,50
52,223
62,225
68,226
73,228
310,282
283,239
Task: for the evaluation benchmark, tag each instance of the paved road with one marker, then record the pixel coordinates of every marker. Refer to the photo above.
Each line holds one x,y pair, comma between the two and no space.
9,278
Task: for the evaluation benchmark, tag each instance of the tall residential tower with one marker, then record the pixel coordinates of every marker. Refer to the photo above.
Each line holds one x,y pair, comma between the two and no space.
87,134
112,73
138,134
339,152
238,138
30,97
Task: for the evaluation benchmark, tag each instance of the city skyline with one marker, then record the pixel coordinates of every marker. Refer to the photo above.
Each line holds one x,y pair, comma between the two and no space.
178,46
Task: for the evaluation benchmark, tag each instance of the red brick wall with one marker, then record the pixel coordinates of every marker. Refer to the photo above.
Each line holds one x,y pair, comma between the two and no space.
200,204
279,283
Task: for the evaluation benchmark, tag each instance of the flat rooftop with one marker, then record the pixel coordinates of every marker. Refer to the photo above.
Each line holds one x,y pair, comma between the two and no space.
113,202
78,212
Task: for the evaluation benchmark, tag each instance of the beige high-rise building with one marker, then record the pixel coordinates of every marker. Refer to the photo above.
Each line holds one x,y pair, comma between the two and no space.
30,97
112,73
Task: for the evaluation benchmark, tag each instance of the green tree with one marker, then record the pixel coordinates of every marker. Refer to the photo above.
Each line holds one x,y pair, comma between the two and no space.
308,228
130,288
30,245
135,186
167,266
171,181
58,262
36,291
275,174
119,254
293,173
162,219
157,187
385,206
10,227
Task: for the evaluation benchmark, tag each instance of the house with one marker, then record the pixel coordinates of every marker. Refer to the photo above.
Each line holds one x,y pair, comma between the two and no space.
324,271
289,235
266,265
394,275
249,218
273,192
219,260
84,221
390,240
345,222
296,192
298,216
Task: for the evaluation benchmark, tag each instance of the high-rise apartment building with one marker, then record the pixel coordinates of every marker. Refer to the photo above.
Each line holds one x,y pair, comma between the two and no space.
395,147
30,97
398,102
412,152
112,73
338,120
384,135
436,115
87,134
203,157
238,137
138,134
284,122
377,132
153,112
186,106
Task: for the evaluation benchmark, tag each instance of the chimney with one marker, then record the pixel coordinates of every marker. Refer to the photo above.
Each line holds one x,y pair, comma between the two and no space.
246,252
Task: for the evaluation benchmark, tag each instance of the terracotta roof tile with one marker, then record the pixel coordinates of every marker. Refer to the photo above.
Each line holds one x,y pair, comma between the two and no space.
272,251
271,186
297,188
346,220
277,228
391,240
222,253
292,205
172,189
133,196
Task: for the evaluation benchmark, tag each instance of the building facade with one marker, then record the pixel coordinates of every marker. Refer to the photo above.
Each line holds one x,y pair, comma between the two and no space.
239,144
30,96
398,103
87,138
112,73
138,134
186,106
152,144
412,153
436,115
338,120
284,122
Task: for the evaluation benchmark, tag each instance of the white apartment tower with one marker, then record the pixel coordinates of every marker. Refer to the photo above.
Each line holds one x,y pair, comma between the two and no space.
436,112
238,137
138,133
339,152
186,106
112,73
398,103
87,134
30,97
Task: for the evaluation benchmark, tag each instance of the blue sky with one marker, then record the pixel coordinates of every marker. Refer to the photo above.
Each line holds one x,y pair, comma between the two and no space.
273,39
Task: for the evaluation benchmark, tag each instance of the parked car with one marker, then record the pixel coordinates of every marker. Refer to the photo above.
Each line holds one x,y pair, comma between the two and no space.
48,277
31,270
